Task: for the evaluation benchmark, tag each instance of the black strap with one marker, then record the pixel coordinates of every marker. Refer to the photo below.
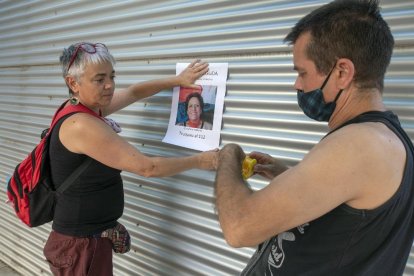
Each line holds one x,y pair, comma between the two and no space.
60,113
74,175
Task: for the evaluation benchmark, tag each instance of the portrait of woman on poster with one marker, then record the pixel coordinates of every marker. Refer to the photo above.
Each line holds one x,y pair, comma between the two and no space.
194,106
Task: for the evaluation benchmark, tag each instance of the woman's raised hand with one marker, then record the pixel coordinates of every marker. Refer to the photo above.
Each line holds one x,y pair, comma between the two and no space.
194,71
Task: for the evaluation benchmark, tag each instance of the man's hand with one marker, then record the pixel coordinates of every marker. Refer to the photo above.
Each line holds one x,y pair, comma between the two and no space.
267,166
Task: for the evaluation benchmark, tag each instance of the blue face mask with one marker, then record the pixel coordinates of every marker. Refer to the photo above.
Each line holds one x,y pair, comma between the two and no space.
313,104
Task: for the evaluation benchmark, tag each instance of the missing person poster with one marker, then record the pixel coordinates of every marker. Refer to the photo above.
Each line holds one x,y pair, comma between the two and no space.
197,112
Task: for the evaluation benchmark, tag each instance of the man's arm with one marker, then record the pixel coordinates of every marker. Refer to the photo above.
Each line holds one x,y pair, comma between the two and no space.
345,167
248,218
229,179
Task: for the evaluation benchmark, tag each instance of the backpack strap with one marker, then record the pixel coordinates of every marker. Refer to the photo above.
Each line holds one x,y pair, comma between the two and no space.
60,113
63,111
73,176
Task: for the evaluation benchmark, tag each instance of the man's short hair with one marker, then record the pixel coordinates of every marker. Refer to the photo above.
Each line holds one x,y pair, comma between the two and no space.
352,29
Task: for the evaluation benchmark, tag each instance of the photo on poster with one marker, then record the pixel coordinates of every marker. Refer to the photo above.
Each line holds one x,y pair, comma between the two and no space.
196,107
197,111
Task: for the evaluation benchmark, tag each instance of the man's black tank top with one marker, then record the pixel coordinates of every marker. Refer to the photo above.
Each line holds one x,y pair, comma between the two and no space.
94,201
348,241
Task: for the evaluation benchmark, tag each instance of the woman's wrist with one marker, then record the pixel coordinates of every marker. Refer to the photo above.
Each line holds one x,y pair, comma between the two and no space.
177,81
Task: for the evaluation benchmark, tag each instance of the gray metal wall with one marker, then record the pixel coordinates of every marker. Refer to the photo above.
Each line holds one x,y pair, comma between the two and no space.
172,220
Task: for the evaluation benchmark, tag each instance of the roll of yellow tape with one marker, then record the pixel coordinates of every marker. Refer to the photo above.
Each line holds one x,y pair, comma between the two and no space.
247,167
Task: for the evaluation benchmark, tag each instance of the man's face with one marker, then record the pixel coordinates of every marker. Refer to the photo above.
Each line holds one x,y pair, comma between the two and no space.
308,78
97,85
194,109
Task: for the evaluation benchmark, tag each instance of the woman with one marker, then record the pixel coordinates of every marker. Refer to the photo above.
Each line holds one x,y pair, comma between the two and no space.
92,205
194,105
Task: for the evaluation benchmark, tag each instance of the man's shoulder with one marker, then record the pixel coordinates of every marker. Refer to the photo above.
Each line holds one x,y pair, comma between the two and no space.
355,143
362,134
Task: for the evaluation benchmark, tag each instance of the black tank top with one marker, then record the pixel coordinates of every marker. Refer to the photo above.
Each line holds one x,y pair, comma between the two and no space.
94,201
348,241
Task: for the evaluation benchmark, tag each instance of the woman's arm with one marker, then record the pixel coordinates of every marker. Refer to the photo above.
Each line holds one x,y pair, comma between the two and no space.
135,92
84,134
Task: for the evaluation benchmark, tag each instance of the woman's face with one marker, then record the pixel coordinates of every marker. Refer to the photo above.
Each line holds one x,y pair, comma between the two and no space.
194,109
97,85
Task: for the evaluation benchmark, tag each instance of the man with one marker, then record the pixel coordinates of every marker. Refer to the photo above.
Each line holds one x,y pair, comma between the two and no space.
347,207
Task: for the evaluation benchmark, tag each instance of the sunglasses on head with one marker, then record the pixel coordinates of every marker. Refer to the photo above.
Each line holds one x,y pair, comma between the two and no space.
85,47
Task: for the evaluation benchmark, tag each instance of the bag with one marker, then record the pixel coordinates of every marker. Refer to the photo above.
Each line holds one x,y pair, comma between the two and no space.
30,188
120,238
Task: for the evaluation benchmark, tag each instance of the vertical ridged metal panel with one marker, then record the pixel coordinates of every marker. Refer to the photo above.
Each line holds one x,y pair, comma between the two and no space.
172,220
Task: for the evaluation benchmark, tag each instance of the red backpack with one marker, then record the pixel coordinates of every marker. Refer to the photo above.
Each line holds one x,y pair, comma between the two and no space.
30,188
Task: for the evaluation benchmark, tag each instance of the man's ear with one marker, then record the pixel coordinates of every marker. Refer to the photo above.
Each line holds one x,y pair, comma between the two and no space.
346,71
72,84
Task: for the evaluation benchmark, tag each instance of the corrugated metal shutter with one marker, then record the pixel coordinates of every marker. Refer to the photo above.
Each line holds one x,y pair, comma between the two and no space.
172,220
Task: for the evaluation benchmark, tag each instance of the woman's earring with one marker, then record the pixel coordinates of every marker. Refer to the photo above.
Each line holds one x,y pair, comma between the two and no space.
73,100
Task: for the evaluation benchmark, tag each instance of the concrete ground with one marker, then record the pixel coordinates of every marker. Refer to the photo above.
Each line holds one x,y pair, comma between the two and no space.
5,270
